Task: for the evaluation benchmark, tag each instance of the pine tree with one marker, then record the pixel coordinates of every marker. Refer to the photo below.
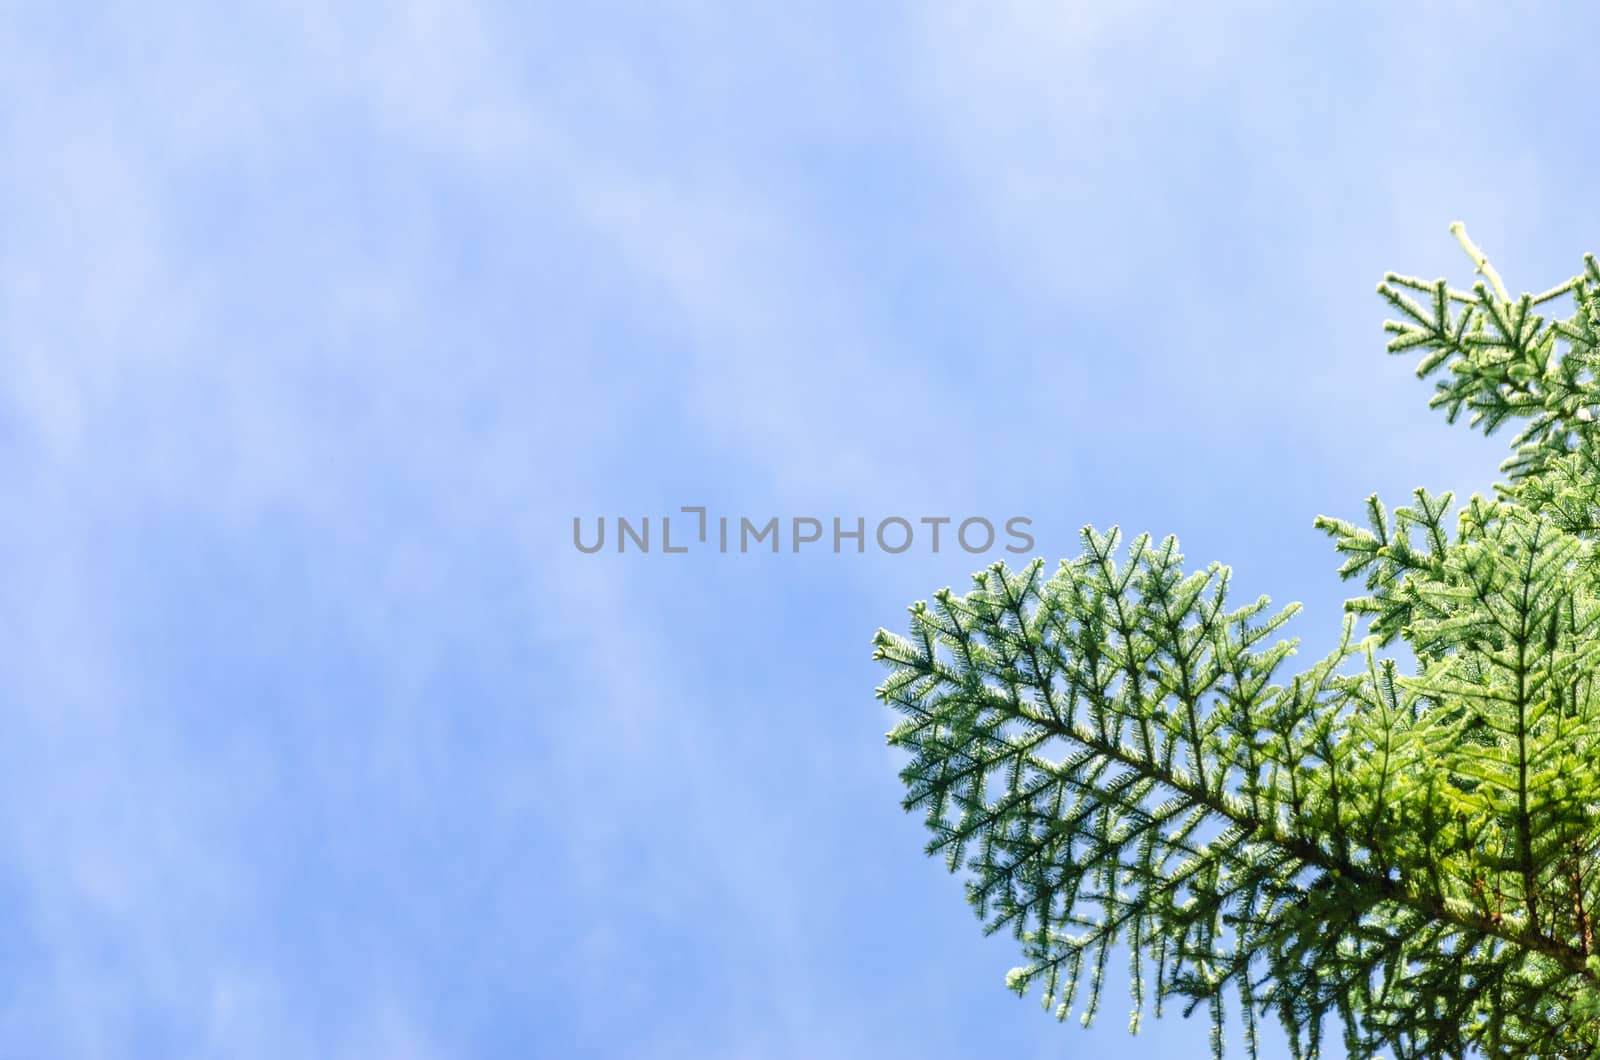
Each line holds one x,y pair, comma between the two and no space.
1123,761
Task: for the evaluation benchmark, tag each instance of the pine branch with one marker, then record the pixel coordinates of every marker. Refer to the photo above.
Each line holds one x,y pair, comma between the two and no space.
1479,262
1112,754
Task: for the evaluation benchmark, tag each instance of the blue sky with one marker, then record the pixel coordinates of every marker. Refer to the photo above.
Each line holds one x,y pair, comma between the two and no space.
320,323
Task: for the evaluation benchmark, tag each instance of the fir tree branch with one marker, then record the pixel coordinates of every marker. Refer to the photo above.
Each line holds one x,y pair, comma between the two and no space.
1479,261
1106,751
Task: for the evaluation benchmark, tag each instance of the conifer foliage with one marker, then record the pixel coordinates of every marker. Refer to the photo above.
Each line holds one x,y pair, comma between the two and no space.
1127,762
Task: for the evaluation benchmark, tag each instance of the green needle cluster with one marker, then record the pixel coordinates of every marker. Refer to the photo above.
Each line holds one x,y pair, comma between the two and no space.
1125,762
